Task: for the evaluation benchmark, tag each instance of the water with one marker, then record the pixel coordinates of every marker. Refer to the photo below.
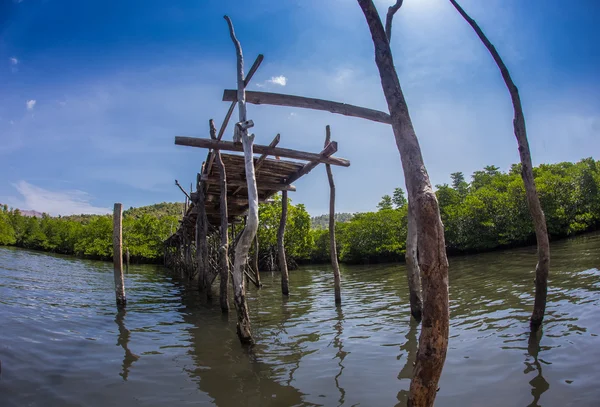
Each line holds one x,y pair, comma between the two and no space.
62,342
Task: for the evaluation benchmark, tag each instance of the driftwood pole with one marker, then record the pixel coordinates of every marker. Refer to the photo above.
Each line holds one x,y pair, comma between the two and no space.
332,244
118,255
224,248
201,243
255,261
243,245
413,272
280,245
433,342
533,200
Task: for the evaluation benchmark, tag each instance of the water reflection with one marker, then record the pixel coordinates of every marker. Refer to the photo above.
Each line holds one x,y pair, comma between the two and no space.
123,341
341,354
539,385
408,350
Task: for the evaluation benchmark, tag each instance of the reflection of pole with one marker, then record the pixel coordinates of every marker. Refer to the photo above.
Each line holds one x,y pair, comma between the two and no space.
123,341
539,385
410,350
341,354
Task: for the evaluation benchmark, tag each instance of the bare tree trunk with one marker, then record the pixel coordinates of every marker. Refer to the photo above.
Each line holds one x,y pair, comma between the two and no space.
337,280
433,342
118,255
413,273
533,200
243,245
280,245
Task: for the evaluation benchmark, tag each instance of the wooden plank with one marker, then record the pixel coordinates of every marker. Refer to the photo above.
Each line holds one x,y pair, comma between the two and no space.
261,160
329,149
259,149
280,99
263,186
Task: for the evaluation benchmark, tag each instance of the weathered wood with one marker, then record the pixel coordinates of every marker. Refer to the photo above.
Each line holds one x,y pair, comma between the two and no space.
433,341
238,201
263,157
329,149
256,271
182,190
201,242
280,245
118,255
265,186
533,201
413,272
279,99
390,16
127,259
337,280
259,149
224,248
243,245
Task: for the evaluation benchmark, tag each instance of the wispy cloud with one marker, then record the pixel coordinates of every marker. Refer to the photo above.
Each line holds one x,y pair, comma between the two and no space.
13,61
31,104
54,202
275,80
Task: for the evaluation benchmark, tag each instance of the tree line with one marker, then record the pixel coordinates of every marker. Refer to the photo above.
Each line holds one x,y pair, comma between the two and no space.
485,213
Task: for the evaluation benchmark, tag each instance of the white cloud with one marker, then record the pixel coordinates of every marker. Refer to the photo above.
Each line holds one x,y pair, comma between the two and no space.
31,104
278,80
13,61
55,202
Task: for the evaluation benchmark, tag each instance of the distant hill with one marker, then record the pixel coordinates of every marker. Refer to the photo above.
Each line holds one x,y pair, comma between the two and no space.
322,222
28,213
158,210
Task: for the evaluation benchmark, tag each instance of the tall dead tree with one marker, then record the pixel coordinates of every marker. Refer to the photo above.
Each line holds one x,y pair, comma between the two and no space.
433,342
533,200
285,290
243,244
337,280
413,273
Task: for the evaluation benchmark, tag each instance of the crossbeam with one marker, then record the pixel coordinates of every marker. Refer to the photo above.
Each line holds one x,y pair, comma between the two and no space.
259,149
280,99
264,186
329,149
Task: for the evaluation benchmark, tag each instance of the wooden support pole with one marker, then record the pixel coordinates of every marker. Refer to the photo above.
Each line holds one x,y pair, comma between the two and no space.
280,245
337,280
127,259
256,271
261,160
201,243
224,247
118,255
413,272
279,99
259,149
182,190
243,245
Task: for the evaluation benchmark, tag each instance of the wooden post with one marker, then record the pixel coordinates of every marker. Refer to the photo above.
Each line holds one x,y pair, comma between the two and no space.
201,243
413,272
118,255
224,248
280,245
127,259
533,201
433,342
243,245
256,271
332,244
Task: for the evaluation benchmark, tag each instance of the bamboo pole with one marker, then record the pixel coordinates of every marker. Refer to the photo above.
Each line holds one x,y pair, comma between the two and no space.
118,255
280,245
533,200
243,245
337,280
201,243
433,341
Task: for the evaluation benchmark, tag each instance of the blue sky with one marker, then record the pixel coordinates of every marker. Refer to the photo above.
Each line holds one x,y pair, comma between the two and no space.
92,93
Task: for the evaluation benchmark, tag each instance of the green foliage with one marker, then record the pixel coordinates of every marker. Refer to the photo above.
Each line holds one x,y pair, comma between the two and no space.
386,203
398,198
322,221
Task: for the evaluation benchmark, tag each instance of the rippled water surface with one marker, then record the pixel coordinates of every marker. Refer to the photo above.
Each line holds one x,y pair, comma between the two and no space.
63,343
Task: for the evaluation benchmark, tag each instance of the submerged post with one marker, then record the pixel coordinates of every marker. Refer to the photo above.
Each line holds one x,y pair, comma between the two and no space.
259,284
332,244
280,246
118,255
127,259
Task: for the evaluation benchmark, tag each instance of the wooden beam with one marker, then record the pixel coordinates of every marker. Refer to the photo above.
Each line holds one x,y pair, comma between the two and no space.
182,190
280,99
234,200
329,149
242,183
260,149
